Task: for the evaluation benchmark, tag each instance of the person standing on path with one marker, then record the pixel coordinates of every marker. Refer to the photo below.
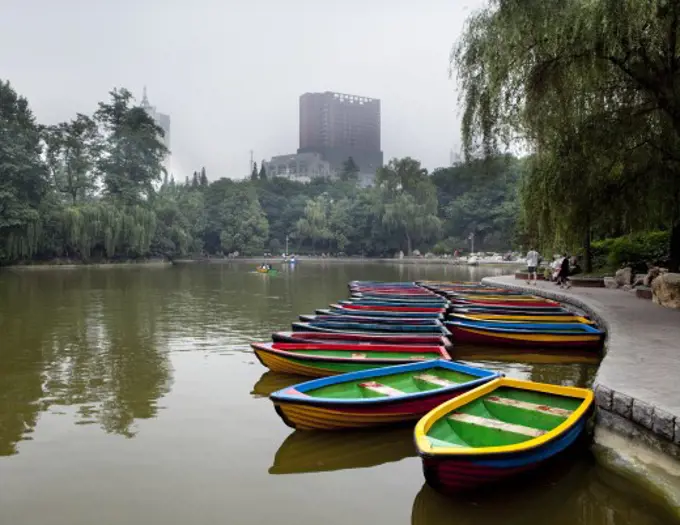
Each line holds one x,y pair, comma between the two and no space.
532,265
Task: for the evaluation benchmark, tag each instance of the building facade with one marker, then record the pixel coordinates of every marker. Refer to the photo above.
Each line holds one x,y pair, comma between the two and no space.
338,126
161,119
301,167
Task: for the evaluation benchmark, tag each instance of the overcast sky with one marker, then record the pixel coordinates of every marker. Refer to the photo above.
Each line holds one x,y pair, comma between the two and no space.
230,72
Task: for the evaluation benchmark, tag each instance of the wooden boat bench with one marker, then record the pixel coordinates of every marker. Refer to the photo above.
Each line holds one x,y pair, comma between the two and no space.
496,424
379,388
434,380
545,409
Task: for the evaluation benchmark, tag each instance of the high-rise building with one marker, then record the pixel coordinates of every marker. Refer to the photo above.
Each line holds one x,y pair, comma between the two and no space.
339,126
161,119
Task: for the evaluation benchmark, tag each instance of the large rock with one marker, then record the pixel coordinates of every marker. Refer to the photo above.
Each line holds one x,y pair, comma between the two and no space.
666,290
639,279
610,282
624,276
652,274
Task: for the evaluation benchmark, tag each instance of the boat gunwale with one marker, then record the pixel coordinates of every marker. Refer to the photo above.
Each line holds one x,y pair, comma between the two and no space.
588,329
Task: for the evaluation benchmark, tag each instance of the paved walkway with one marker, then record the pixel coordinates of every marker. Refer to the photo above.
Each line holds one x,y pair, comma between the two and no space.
639,378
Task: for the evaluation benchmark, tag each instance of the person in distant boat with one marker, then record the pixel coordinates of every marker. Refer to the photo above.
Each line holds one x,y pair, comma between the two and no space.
532,265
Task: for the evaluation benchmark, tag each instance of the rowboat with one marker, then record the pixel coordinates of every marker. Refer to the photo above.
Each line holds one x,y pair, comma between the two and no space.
558,318
436,328
365,319
394,309
395,302
498,430
339,310
377,397
326,359
505,302
544,335
436,300
303,452
506,309
361,338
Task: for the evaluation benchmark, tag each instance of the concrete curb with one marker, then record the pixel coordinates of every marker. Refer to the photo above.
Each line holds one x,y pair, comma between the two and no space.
663,426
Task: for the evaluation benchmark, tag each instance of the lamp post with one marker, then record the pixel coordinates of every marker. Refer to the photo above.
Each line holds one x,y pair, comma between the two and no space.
472,242
286,245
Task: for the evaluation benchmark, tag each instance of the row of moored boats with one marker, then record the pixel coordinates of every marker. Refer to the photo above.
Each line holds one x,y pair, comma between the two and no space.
382,357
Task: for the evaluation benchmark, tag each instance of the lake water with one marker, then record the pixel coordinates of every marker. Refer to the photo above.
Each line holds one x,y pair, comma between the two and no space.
131,396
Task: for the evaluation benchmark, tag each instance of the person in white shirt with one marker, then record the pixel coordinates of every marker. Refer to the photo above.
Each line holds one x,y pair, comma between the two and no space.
532,265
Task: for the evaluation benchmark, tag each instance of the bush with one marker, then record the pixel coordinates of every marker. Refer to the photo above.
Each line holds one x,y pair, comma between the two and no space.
449,245
637,251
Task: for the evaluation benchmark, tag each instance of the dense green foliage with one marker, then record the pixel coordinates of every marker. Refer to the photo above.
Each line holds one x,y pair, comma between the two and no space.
589,88
94,188
636,250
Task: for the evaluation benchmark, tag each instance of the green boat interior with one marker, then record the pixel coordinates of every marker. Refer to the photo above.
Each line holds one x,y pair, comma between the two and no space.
393,385
367,354
506,416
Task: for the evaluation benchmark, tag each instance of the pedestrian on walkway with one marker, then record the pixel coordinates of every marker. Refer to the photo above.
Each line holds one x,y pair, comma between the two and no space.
563,276
532,265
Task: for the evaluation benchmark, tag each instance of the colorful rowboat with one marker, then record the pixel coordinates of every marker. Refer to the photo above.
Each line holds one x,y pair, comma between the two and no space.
392,395
338,310
433,300
323,326
499,430
537,303
365,319
361,338
395,309
379,302
507,309
544,335
327,359
558,318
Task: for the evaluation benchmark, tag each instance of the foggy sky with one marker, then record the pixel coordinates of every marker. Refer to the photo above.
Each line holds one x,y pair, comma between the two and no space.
230,72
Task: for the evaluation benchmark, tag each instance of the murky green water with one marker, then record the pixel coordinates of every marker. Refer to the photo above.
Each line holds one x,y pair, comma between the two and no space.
130,396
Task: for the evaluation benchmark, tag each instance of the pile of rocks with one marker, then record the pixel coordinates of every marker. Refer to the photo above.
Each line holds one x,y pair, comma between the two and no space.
664,287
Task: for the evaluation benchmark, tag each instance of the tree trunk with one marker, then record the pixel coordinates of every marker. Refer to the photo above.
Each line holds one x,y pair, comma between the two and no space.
674,259
587,253
408,244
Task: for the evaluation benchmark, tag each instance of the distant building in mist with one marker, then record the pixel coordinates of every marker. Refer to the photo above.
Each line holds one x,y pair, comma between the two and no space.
301,167
161,119
339,126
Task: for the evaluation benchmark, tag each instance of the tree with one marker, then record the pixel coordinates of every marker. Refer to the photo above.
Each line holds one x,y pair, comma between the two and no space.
133,152
72,152
408,201
203,178
23,176
253,174
350,171
194,180
314,225
582,84
263,172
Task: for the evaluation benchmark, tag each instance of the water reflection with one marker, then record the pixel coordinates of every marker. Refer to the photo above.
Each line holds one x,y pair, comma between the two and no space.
568,494
309,451
273,381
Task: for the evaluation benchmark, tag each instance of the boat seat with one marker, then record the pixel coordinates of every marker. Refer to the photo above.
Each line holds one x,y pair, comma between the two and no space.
357,355
434,380
545,409
496,424
381,389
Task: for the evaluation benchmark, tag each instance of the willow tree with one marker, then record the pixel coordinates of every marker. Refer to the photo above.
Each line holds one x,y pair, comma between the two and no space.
588,87
408,201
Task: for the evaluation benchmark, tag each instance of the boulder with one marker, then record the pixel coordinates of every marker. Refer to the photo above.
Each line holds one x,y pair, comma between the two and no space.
639,279
624,276
610,282
652,274
666,290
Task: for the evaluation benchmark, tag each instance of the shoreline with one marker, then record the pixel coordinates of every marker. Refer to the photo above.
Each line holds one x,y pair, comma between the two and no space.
637,426
163,263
